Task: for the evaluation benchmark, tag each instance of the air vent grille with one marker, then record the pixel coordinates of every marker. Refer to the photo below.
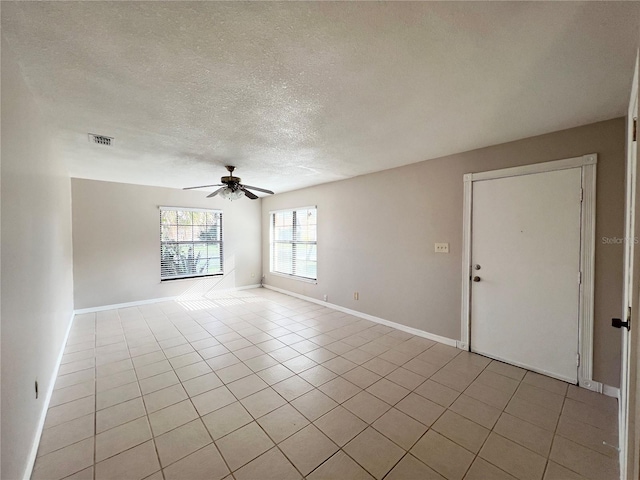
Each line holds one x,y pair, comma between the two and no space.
100,139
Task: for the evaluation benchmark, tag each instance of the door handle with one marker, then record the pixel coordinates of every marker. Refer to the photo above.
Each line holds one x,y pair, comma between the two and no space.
476,279
618,323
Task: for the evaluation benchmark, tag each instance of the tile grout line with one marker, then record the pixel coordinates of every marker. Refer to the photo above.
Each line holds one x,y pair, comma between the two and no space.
370,425
95,388
277,445
188,397
119,403
316,388
144,405
430,427
492,430
200,416
555,434
251,324
553,438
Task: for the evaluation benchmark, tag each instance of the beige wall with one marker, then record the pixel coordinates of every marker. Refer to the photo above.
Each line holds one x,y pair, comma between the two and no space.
37,281
116,242
376,234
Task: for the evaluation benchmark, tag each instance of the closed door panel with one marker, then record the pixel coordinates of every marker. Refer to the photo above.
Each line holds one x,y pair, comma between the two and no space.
526,240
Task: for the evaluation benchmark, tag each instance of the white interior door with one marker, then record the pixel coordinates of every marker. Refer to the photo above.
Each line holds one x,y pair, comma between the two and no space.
629,434
525,237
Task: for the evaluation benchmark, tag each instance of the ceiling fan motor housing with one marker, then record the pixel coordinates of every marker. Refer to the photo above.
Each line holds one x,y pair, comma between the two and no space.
231,181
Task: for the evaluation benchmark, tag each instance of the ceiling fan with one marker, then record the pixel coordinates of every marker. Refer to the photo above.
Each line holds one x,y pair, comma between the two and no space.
231,188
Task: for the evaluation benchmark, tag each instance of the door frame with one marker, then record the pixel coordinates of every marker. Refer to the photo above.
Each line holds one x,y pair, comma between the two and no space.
587,163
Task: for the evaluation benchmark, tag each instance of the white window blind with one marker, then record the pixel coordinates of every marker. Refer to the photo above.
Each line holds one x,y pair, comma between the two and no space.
294,249
190,243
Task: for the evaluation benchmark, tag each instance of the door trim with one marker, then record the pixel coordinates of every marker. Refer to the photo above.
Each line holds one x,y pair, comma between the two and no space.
587,253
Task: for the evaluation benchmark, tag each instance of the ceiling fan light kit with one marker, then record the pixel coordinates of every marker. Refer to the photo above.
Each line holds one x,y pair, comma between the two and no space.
229,194
231,188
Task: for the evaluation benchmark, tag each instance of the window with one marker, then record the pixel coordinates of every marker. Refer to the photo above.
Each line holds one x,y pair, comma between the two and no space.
190,243
294,249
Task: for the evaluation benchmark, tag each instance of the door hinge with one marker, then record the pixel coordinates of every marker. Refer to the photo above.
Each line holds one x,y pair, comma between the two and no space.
635,129
579,278
577,359
581,195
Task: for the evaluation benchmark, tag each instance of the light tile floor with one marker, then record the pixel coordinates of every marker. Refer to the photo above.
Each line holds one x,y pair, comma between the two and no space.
260,385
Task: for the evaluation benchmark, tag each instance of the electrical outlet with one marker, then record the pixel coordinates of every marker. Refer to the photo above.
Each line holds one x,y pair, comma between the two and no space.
326,297
442,248
253,275
356,296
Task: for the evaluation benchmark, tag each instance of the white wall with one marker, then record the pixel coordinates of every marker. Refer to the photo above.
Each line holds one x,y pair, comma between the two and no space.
376,235
116,242
37,283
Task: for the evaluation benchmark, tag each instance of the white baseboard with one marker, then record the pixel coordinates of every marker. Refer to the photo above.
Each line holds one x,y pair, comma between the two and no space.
599,387
589,384
366,316
149,301
31,459
123,305
610,391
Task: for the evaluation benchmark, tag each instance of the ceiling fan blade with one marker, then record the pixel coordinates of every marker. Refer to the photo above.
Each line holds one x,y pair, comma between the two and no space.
259,189
202,186
249,194
216,192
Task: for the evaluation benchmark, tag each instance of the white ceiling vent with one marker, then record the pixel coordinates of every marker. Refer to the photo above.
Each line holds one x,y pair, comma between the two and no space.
100,139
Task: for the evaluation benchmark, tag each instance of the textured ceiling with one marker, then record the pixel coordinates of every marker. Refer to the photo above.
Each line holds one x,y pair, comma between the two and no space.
296,94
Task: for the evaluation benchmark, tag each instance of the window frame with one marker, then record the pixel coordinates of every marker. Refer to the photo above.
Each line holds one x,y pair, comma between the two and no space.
272,244
164,208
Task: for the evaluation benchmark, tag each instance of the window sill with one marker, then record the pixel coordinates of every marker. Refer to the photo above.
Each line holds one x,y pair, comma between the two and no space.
294,277
194,277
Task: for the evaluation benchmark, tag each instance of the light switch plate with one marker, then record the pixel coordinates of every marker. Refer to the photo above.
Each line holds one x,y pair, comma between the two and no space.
442,248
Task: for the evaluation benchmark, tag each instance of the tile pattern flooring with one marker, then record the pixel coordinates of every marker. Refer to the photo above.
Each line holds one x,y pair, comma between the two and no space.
259,385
